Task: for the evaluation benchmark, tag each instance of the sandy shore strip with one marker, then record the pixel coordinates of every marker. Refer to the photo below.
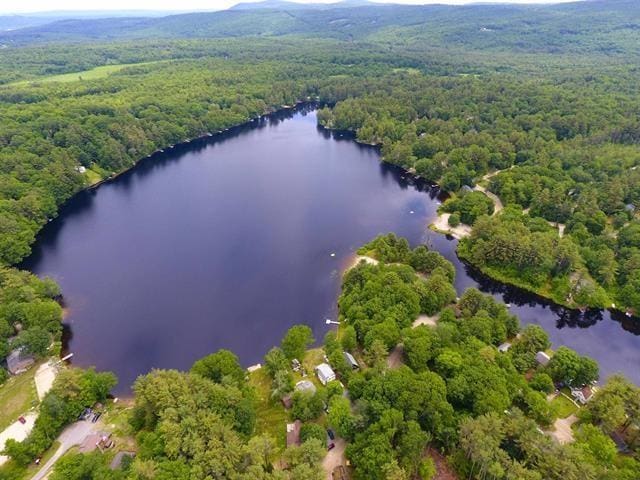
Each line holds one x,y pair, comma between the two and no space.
442,225
426,320
356,259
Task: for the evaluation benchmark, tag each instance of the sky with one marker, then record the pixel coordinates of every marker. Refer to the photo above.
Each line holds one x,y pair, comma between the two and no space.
21,6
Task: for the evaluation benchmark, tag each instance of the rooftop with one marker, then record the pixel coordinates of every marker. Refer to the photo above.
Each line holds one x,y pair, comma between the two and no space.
18,361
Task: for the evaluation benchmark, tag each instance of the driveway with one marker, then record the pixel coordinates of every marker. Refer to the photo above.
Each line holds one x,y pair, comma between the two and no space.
16,431
394,360
71,436
562,429
45,375
334,458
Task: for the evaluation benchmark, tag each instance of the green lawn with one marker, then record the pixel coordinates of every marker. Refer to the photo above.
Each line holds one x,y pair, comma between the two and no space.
563,407
271,415
94,175
17,396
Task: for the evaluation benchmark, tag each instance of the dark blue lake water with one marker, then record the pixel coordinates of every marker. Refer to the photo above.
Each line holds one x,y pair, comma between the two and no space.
227,242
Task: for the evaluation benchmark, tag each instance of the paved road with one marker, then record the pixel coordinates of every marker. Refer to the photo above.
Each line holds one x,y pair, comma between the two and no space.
73,435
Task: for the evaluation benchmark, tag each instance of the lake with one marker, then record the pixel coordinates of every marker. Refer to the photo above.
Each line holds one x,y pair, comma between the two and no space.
226,242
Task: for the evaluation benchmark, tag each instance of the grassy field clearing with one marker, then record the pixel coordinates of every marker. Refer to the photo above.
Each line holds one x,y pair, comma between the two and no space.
93,74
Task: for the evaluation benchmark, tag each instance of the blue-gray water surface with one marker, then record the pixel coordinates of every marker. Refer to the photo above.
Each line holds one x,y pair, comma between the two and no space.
229,241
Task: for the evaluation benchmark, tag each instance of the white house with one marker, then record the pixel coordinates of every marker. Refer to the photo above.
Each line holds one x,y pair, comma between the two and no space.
325,373
582,395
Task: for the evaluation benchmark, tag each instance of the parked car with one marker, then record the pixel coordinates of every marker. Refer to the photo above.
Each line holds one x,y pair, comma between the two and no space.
85,414
331,446
22,420
332,435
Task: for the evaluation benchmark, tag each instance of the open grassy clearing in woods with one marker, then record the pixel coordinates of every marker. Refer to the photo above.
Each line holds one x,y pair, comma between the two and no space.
270,414
92,74
17,396
563,407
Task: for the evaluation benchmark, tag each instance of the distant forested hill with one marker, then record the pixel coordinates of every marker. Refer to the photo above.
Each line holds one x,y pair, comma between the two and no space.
608,27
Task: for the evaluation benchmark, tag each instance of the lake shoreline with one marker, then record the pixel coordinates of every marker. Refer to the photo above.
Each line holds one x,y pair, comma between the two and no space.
440,225
522,300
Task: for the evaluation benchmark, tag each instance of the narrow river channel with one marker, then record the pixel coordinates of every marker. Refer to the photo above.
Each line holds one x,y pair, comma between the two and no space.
226,242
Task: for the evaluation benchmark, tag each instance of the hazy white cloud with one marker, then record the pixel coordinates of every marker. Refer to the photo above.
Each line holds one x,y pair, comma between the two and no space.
49,5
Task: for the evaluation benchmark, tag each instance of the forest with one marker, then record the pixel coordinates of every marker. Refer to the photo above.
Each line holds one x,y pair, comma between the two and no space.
561,156
536,105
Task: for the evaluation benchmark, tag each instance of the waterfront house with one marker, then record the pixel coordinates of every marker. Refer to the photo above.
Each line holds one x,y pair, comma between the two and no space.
18,361
325,373
583,394
542,358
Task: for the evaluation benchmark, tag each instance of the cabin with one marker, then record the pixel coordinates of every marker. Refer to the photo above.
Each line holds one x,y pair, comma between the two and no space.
325,373
351,360
542,359
583,394
504,348
293,433
305,386
19,362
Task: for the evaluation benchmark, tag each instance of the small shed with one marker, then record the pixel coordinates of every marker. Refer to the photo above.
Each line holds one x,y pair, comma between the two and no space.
305,386
287,401
504,347
351,360
18,361
293,433
325,373
542,358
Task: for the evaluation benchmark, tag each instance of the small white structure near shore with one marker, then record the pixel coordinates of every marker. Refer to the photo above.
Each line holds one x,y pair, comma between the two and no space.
325,373
542,358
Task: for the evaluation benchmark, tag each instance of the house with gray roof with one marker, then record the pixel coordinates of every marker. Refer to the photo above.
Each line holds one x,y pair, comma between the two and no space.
19,362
